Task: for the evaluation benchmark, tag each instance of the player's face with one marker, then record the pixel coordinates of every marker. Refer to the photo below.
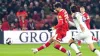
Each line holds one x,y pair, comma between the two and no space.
82,9
56,10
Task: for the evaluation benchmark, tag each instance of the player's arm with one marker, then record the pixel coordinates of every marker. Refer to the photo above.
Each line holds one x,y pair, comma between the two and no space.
67,19
71,23
87,19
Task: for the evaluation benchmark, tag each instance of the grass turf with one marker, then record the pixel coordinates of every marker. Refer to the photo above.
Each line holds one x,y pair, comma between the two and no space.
25,50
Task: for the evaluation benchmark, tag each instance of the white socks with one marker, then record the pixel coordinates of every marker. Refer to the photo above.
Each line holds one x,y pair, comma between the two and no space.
73,46
97,52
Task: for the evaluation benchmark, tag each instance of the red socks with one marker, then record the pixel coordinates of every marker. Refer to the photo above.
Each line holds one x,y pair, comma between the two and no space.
59,47
40,48
43,46
94,38
79,42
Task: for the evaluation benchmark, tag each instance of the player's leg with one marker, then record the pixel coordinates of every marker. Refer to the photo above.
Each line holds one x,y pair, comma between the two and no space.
93,49
57,45
60,48
73,45
94,38
35,50
79,43
91,46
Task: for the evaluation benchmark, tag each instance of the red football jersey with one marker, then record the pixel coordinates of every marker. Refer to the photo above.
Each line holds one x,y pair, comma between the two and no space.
87,21
62,25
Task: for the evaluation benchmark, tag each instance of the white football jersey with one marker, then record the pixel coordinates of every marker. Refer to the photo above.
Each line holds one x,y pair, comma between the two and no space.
79,19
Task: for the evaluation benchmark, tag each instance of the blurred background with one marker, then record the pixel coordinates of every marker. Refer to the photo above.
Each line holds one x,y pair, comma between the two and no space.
29,20
39,15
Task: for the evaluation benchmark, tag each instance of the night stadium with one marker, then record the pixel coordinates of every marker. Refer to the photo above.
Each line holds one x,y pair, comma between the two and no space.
49,27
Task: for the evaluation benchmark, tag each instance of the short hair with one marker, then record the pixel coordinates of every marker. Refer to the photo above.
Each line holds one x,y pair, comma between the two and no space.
82,7
74,9
57,5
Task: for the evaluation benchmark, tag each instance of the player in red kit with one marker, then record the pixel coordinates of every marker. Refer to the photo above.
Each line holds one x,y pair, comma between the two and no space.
61,29
87,22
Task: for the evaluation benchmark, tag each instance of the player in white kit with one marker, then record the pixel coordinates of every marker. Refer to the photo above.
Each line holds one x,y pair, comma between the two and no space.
83,32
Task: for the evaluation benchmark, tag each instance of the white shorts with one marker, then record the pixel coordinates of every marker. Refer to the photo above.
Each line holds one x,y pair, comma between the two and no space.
86,36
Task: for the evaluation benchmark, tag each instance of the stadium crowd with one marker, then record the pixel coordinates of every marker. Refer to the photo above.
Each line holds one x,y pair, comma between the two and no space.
39,15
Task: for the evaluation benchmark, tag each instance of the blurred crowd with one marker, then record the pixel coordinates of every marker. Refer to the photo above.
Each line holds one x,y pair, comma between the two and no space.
39,15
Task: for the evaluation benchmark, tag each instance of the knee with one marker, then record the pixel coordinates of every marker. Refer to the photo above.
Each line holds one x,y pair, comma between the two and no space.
51,40
93,50
57,46
71,41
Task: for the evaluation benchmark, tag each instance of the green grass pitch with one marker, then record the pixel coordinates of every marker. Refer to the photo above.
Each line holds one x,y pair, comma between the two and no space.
25,50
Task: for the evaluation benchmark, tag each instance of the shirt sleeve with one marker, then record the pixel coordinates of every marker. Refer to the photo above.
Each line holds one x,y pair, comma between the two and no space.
87,16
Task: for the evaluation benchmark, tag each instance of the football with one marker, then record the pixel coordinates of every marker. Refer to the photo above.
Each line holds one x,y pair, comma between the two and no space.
8,41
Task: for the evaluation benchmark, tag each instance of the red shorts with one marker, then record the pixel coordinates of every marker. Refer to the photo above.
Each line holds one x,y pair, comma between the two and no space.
59,36
61,33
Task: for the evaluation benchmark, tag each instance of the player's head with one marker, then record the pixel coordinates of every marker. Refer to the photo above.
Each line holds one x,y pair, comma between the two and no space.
57,6
82,9
74,9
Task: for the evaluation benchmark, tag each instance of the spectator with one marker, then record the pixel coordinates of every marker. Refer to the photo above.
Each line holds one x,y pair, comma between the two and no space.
14,3
68,7
99,4
48,1
89,9
46,9
42,14
31,24
92,23
22,2
30,9
46,26
5,24
41,3
17,7
97,11
25,7
23,23
36,16
97,21
37,8
92,10
0,26
4,8
21,13
11,17
9,8
1,12
17,24
12,26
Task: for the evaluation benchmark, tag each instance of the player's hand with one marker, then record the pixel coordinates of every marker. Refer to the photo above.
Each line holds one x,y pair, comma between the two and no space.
50,29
